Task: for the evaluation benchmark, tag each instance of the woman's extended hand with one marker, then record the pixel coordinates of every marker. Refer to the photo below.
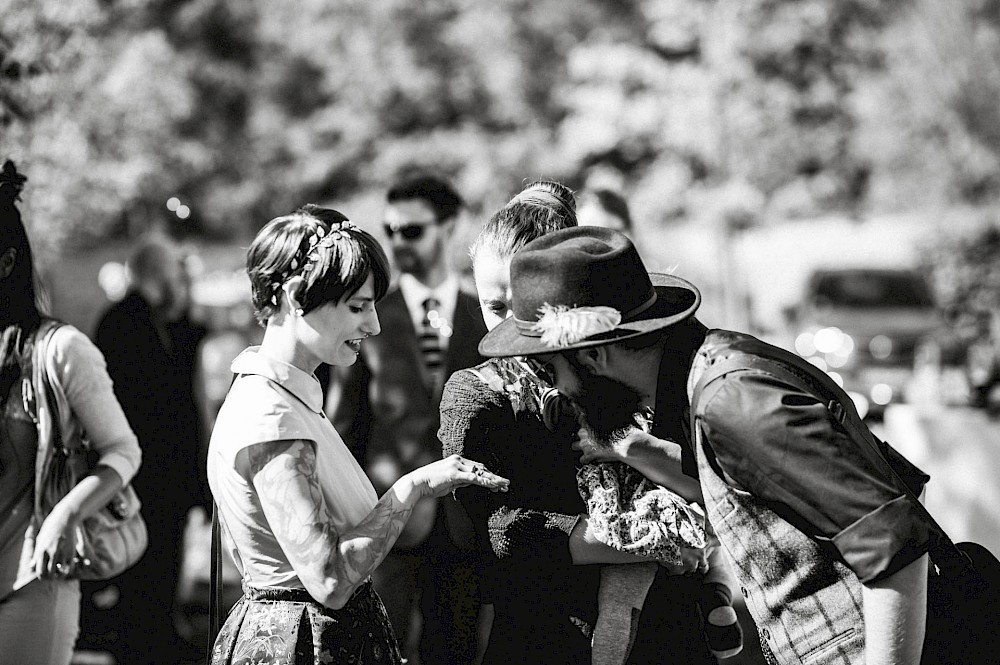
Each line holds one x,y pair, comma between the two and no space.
441,477
55,546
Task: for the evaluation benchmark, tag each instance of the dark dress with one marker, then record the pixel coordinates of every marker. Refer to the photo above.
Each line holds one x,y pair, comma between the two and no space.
544,606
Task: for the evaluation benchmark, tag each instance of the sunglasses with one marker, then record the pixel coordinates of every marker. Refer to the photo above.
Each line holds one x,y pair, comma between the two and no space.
408,231
543,370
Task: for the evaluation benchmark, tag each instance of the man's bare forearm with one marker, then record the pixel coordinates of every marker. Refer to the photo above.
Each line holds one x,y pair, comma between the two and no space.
895,616
660,461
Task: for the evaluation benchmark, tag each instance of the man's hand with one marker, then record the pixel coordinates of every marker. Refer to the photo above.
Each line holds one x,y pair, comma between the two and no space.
617,450
693,560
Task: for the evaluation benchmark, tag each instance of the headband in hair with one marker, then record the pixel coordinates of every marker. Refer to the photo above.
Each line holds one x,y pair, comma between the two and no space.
318,242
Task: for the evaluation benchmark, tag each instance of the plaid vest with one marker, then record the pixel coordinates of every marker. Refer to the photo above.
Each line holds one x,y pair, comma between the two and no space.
806,604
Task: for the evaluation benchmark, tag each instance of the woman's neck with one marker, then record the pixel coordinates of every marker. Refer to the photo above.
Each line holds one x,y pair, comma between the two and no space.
281,344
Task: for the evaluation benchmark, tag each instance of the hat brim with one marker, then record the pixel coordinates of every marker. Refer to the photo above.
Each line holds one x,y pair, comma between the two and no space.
676,300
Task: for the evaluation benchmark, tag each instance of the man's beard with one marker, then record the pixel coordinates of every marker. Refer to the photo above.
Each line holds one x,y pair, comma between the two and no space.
608,405
410,262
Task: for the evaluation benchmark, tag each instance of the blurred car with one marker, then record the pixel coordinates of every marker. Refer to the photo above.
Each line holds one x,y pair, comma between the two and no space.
863,327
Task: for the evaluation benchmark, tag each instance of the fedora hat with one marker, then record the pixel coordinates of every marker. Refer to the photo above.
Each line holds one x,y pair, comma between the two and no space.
581,287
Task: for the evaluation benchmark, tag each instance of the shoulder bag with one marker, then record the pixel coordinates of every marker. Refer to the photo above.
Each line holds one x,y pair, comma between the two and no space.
115,538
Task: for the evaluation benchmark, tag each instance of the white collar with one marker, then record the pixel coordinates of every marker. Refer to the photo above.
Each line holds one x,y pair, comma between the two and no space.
416,292
304,386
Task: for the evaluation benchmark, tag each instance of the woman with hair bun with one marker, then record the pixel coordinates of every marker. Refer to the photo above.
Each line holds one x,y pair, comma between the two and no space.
542,560
304,524
542,603
39,589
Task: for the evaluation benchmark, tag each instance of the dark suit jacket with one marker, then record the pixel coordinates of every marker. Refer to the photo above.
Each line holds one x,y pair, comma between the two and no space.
381,405
155,386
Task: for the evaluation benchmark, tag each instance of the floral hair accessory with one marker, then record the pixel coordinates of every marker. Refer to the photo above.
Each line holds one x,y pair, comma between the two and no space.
318,242
561,326
323,240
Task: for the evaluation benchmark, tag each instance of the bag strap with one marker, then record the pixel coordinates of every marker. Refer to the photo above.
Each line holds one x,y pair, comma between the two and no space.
215,584
949,558
215,606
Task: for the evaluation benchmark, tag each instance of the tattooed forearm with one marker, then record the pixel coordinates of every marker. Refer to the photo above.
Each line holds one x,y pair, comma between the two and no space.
368,543
284,474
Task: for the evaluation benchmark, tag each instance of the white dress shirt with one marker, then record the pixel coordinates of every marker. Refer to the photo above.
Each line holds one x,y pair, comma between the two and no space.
415,293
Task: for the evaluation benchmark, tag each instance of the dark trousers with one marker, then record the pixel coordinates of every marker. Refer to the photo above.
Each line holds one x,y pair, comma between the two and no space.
442,583
669,628
148,589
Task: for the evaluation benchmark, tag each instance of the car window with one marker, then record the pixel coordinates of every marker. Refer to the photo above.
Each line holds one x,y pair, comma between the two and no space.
871,290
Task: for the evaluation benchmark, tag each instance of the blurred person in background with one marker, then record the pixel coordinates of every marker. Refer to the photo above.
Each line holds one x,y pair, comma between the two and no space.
39,597
304,523
386,406
151,346
607,208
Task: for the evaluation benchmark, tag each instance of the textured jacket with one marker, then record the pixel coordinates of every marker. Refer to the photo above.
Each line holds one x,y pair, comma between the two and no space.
544,605
804,516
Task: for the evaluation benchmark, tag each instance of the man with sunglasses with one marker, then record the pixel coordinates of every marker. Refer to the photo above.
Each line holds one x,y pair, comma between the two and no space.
386,405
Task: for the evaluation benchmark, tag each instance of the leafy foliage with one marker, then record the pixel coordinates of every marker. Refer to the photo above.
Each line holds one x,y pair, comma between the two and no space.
719,109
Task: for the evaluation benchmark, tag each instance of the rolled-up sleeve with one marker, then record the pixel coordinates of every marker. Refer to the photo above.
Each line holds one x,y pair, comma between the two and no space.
83,375
783,446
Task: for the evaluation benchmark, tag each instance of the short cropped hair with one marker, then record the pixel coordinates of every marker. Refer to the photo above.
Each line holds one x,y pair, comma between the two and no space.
438,193
541,207
333,270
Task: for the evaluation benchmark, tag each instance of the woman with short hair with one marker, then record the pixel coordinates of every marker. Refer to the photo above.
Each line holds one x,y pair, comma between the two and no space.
305,526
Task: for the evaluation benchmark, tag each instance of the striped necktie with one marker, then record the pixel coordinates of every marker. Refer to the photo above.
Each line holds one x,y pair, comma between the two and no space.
429,337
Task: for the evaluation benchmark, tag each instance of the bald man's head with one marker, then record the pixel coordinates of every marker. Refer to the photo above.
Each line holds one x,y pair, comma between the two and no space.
160,276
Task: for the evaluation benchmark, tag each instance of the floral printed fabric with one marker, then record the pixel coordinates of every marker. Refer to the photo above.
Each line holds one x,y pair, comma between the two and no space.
286,627
632,514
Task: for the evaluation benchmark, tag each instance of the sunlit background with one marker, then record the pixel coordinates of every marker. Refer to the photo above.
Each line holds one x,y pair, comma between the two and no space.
827,171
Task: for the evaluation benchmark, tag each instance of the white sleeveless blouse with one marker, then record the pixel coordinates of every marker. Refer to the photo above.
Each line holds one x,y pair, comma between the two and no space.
273,401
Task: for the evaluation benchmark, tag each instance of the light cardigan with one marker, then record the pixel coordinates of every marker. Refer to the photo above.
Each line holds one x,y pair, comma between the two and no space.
84,400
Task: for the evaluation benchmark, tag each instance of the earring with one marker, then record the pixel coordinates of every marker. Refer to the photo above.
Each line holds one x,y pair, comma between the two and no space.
298,311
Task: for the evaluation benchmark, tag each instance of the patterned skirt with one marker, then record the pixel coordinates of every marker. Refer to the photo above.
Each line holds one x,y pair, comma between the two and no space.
287,627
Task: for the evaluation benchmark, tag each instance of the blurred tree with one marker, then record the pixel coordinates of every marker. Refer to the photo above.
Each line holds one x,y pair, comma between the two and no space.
966,268
743,110
931,125
98,121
